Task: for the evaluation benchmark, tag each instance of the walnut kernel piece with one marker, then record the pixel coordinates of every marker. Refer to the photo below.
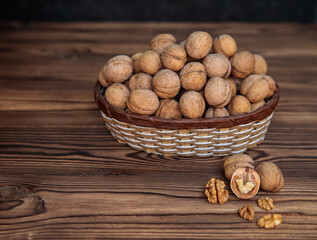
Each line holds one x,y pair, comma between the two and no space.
266,203
270,221
247,212
215,191
244,187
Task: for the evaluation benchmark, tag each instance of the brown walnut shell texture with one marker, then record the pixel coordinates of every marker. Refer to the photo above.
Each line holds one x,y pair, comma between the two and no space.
260,65
233,86
271,83
143,101
103,80
217,92
248,175
212,112
161,41
117,95
174,57
217,65
169,108
272,179
242,64
239,105
255,87
135,58
193,76
119,68
150,62
140,80
198,44
225,44
192,104
166,83
233,162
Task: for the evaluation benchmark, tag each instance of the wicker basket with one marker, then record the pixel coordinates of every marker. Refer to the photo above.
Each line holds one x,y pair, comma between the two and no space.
187,137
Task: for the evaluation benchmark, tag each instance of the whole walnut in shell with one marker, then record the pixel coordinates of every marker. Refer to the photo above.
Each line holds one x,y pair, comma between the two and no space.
233,86
255,106
192,104
217,92
216,112
217,65
166,83
233,162
143,101
271,83
159,42
225,44
272,179
169,108
260,66
198,44
255,88
193,76
140,80
135,59
119,68
239,105
117,95
242,64
174,57
150,62
103,79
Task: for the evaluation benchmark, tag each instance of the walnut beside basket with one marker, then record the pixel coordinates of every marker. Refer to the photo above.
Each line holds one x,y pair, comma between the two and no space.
201,137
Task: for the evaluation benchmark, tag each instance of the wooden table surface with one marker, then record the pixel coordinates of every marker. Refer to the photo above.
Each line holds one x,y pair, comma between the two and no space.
62,176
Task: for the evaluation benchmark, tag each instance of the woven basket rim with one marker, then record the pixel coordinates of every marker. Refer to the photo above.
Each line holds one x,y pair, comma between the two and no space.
184,123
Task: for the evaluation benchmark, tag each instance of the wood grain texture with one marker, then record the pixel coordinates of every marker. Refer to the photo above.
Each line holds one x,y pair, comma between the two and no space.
62,176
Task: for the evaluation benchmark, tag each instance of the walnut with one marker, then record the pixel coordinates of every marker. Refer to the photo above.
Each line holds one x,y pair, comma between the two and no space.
216,112
247,212
233,86
233,162
271,83
255,87
174,57
143,101
169,108
140,80
215,191
270,221
192,104
198,44
256,105
193,76
117,95
217,65
272,179
103,79
242,64
159,42
245,183
225,44
150,62
239,105
217,92
266,203
119,68
135,59
260,66
166,83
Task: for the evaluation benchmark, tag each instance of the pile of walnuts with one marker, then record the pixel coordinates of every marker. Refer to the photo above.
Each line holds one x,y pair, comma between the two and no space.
195,78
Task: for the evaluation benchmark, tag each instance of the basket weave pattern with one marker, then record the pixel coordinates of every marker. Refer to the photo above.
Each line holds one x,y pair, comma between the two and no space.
187,137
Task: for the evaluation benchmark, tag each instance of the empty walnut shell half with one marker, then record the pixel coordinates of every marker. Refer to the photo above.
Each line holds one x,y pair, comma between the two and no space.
245,183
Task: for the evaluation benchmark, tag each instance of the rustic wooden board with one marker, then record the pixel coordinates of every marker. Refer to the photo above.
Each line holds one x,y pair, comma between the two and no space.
64,177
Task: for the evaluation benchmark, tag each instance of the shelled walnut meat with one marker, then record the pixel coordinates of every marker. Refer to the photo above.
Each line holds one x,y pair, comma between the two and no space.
229,82
215,191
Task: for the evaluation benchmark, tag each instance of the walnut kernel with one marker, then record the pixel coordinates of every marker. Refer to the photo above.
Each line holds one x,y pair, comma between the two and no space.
270,221
266,203
215,191
247,212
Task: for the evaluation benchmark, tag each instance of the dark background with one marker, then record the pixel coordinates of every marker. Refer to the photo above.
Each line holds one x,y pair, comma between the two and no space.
159,10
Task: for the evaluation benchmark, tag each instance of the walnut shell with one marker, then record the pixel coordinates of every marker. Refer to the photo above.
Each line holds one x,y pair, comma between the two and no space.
192,104
198,44
217,92
255,106
216,112
150,62
217,65
117,95
140,80
233,162
159,42
272,179
242,64
245,183
166,83
271,83
119,68
255,88
174,57
260,66
193,76
225,44
233,86
143,101
169,108
103,80
135,59
239,105
183,43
